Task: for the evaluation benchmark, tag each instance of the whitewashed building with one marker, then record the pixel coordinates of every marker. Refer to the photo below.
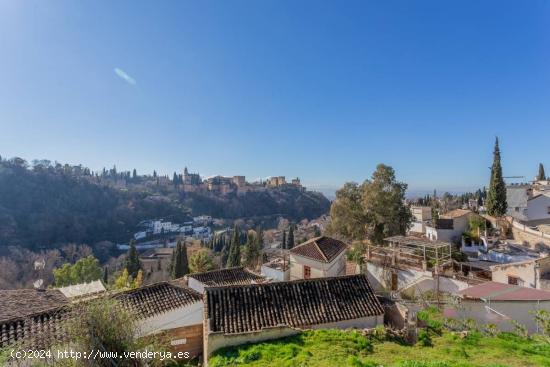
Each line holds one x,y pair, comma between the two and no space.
318,257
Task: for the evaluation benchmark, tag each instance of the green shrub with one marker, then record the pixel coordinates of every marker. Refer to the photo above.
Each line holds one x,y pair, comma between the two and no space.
424,338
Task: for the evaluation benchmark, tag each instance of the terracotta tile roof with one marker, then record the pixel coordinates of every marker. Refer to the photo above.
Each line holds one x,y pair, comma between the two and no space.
35,331
230,276
157,298
504,292
23,302
46,327
322,248
300,303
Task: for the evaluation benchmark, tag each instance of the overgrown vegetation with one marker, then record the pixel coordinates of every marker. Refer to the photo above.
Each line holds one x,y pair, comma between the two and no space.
350,348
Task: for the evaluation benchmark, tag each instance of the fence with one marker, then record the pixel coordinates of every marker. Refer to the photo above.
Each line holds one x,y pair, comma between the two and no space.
529,230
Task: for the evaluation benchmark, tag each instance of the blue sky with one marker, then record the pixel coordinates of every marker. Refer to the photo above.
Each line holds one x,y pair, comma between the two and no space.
323,90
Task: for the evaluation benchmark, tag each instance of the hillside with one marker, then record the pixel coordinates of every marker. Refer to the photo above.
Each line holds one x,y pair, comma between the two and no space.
41,208
45,205
329,348
287,202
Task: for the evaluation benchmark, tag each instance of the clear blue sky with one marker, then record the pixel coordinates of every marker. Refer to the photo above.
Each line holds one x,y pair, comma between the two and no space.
323,90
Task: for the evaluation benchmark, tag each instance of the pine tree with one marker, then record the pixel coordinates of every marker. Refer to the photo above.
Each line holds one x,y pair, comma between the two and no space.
283,244
541,176
134,174
234,258
180,265
290,240
132,260
496,197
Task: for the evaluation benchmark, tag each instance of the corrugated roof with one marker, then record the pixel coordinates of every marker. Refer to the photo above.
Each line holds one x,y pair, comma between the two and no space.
504,292
324,249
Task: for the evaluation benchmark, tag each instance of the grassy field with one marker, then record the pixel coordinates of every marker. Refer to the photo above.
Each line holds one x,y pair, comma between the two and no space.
348,348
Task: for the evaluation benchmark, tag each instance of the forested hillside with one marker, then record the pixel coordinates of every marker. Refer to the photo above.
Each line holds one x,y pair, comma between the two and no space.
45,205
289,202
42,207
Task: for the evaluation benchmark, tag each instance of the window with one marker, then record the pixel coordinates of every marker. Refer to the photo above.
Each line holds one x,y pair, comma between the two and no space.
548,210
517,208
307,272
514,280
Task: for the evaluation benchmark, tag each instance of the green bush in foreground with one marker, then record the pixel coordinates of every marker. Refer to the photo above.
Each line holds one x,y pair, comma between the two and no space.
326,348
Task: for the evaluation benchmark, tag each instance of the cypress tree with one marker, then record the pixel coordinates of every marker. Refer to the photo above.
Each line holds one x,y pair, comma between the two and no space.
105,276
290,240
181,263
224,256
234,258
283,244
175,180
496,197
133,265
541,176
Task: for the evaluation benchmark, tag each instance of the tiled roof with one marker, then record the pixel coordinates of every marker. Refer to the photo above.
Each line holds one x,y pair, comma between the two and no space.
504,292
322,248
300,303
38,327
36,331
457,213
157,298
23,302
229,276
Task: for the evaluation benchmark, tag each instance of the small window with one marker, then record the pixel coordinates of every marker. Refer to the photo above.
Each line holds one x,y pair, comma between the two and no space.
307,272
517,208
513,280
548,210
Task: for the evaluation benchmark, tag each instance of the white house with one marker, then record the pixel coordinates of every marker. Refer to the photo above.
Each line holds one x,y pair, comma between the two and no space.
451,226
421,216
529,204
276,270
318,257
499,304
532,273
